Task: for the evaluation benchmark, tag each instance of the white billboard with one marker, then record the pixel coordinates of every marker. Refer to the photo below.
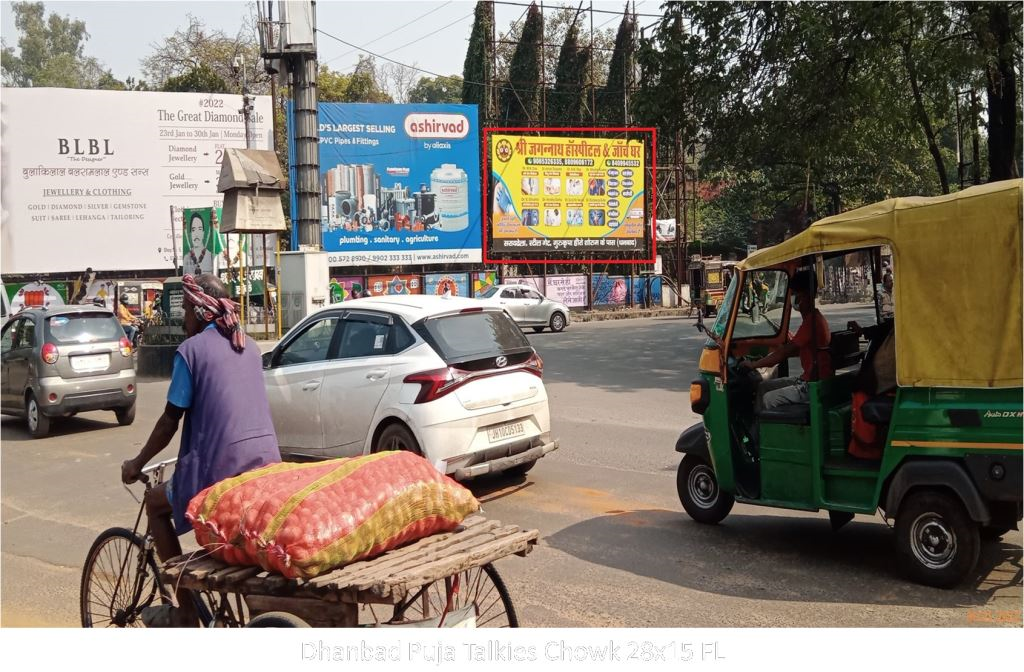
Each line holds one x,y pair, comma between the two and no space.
89,178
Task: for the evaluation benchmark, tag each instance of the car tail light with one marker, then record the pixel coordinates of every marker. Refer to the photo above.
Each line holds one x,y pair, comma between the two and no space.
50,353
534,365
126,347
437,383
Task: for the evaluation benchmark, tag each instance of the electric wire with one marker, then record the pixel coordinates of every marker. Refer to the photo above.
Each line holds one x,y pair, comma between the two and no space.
390,32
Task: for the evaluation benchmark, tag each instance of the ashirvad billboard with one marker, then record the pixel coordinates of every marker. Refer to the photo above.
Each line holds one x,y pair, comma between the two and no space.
399,184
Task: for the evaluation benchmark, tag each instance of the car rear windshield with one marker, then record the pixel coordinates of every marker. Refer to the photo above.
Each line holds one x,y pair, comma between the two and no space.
84,328
468,336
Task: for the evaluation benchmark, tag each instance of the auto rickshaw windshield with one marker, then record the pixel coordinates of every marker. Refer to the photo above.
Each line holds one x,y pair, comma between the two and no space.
722,318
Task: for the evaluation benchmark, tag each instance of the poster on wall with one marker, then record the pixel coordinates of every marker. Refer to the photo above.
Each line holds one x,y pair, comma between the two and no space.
446,284
568,289
399,184
201,242
550,195
609,290
36,295
89,177
344,289
383,285
483,281
646,290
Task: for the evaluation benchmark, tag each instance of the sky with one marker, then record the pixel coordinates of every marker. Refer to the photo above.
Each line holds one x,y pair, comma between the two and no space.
430,34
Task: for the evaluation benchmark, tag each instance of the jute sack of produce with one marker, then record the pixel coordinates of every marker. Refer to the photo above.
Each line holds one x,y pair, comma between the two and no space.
363,507
215,513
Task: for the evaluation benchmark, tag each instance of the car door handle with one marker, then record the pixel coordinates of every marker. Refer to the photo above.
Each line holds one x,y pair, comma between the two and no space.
310,386
376,374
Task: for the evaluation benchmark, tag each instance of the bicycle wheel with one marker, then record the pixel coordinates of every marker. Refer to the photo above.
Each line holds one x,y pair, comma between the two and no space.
480,586
118,581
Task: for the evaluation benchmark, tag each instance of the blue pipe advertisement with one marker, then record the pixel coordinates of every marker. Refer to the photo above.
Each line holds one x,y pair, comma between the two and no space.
399,184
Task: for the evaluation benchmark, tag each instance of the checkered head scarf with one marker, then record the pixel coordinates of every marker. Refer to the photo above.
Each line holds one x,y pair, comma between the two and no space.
223,312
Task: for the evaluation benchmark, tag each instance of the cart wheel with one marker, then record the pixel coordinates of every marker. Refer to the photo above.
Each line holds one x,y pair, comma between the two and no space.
115,589
277,619
937,541
699,493
481,586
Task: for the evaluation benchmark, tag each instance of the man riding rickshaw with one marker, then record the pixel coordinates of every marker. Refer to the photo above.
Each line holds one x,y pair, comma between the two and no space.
925,426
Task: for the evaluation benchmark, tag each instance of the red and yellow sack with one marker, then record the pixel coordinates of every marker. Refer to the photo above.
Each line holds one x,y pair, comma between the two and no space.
215,513
360,508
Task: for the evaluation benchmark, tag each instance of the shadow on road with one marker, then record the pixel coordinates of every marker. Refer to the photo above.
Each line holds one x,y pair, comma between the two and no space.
14,429
775,558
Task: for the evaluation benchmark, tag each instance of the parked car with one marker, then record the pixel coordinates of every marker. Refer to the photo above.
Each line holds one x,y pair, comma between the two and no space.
447,378
528,307
61,361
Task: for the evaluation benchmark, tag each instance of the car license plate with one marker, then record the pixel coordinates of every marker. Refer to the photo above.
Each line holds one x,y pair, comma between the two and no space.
503,432
90,362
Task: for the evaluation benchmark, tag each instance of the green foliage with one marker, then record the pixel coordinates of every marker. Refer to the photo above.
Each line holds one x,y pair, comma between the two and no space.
612,98
568,101
200,79
815,107
51,52
437,90
521,98
361,86
478,67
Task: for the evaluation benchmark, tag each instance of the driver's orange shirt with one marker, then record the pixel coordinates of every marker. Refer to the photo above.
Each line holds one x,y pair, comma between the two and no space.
807,349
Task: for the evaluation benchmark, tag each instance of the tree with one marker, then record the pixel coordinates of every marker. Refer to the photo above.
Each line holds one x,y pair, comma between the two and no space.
479,65
521,96
228,57
397,80
200,79
568,100
995,28
437,90
51,52
361,86
613,98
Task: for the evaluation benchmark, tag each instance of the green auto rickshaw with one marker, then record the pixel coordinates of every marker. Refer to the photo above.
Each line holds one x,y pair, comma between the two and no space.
948,467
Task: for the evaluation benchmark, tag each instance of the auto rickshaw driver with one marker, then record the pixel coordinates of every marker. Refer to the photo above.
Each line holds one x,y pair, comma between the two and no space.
812,338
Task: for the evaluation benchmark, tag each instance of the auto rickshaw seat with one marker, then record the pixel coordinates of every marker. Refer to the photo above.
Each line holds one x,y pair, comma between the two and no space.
878,410
790,414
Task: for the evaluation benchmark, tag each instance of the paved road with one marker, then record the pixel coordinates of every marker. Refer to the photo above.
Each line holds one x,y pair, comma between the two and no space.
617,550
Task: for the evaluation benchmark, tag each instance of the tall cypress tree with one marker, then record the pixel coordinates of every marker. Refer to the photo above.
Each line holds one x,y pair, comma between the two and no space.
520,98
566,101
612,99
478,68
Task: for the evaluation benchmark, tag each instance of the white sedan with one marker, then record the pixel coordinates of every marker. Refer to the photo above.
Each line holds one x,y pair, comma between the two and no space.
528,307
447,378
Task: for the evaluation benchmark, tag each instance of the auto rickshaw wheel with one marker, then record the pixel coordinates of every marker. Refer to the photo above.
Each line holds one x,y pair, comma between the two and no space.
699,493
937,542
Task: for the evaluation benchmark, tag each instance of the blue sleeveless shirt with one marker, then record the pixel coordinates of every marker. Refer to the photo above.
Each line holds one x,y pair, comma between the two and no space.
228,429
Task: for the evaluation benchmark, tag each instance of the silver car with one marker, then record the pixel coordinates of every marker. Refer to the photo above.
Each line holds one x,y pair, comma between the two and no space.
528,307
60,361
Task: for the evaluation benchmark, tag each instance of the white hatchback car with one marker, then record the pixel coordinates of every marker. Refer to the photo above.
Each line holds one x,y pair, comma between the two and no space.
447,378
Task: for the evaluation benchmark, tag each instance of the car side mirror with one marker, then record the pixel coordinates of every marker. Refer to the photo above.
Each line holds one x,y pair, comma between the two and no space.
268,359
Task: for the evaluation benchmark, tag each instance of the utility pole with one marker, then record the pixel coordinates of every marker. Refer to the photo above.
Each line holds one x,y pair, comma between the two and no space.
679,222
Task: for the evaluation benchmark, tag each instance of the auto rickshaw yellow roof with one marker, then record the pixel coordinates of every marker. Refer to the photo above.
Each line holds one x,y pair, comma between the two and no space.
957,271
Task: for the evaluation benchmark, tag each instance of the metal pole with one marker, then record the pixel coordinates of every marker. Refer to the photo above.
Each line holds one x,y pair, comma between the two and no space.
174,244
277,280
307,149
679,226
266,292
